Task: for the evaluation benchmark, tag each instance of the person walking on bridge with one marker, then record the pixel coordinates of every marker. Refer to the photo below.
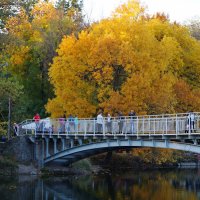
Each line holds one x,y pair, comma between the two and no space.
37,120
191,121
99,123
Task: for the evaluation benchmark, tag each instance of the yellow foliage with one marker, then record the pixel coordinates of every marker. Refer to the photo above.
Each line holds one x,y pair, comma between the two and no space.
43,13
125,62
131,10
19,26
18,57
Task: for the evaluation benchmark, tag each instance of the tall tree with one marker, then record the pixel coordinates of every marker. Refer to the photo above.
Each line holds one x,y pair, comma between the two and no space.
36,38
127,61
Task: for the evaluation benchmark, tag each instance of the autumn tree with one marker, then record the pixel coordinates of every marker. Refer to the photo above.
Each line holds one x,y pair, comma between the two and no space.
9,8
34,39
126,61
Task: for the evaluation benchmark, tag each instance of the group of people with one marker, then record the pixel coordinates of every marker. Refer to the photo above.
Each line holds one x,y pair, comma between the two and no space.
120,120
68,124
71,124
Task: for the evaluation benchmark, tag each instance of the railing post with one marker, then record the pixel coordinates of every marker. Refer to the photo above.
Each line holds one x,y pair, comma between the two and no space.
137,126
47,146
189,125
43,124
94,130
59,129
176,125
104,132
162,123
35,129
85,127
149,125
112,126
166,126
143,125
125,126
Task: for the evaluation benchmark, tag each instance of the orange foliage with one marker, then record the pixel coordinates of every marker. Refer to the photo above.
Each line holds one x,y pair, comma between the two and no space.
126,62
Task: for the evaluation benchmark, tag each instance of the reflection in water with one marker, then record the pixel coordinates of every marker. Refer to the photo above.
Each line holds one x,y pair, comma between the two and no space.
156,185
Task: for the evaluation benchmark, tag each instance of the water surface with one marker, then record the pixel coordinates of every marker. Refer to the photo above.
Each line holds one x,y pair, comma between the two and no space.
149,185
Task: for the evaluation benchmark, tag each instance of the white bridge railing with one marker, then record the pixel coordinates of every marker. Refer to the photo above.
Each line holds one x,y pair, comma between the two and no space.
147,125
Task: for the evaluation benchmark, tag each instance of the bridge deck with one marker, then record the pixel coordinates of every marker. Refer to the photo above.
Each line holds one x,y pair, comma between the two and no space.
79,138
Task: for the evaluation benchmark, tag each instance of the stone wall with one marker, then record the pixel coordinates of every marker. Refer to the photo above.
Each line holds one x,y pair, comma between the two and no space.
21,149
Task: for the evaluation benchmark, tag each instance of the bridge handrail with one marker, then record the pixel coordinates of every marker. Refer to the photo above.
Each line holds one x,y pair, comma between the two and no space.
143,124
159,116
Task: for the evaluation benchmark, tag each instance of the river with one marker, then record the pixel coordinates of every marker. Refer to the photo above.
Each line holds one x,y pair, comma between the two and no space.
148,185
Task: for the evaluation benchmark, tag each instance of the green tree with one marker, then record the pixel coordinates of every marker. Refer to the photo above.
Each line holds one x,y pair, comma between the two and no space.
35,39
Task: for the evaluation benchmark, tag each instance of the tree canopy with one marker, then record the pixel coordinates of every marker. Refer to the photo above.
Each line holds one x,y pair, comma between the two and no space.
33,39
128,61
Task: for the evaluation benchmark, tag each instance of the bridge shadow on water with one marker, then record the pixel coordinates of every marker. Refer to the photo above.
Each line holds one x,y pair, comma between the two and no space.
174,184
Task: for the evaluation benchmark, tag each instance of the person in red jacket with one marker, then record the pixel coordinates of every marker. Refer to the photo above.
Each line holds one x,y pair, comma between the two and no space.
37,120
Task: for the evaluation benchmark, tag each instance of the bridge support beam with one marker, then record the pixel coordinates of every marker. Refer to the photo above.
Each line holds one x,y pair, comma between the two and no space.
47,147
108,142
39,153
80,142
72,143
55,145
63,144
167,143
119,143
195,142
46,195
109,145
141,143
153,143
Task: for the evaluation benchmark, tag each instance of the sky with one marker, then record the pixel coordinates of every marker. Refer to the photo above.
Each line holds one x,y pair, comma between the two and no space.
178,10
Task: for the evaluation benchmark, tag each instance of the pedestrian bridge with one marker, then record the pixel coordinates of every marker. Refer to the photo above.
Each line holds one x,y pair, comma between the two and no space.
69,140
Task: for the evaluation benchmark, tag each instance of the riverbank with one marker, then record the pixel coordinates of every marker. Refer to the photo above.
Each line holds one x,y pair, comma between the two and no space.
119,162
96,165
17,157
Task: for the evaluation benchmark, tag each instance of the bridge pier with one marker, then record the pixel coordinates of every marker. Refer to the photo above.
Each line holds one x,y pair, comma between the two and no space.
47,147
80,141
119,143
195,142
71,143
63,144
46,195
167,143
55,145
153,143
39,153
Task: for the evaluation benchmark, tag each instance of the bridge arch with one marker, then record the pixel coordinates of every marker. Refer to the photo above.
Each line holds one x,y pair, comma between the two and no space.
79,152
